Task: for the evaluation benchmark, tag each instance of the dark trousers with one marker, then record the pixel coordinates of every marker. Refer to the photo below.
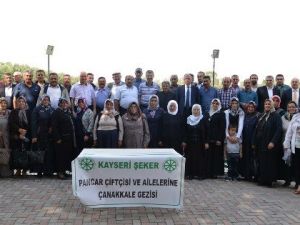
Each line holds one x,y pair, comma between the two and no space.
233,161
107,138
297,165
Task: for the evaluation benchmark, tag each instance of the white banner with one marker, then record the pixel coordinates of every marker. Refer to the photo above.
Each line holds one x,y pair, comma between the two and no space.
129,178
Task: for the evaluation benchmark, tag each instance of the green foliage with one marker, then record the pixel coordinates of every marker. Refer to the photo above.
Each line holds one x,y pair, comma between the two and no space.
8,67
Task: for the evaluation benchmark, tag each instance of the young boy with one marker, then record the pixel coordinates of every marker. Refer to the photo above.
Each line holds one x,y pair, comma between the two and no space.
233,149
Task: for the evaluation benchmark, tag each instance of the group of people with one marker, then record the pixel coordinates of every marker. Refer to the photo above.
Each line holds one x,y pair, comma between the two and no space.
255,129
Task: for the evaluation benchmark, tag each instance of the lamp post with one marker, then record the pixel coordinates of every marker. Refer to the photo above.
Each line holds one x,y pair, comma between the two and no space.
214,55
49,52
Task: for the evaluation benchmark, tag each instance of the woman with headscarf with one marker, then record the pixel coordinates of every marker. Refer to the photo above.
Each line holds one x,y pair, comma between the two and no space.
291,146
215,123
248,162
41,135
172,128
84,123
19,131
277,101
5,171
234,115
266,141
136,130
285,167
193,144
154,115
64,137
108,128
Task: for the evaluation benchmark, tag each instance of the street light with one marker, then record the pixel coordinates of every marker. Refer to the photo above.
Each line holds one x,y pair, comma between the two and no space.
49,52
215,55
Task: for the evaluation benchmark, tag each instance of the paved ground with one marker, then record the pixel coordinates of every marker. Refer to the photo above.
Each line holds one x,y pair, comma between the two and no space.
50,201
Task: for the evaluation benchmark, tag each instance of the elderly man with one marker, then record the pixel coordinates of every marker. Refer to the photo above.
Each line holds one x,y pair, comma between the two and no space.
187,95
165,95
226,93
266,92
55,91
101,94
292,94
280,84
125,95
174,83
247,95
17,76
83,90
207,94
27,89
235,83
138,78
115,84
147,89
6,89
254,79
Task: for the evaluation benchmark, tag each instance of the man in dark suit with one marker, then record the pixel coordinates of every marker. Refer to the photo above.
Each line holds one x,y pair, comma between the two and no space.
187,95
6,89
292,94
266,92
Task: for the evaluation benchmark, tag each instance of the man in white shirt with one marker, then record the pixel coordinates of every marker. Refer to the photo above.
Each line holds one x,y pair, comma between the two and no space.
55,91
125,95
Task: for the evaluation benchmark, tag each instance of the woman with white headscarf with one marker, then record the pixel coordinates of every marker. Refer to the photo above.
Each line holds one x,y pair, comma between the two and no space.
154,115
108,127
193,144
215,123
172,127
266,141
291,146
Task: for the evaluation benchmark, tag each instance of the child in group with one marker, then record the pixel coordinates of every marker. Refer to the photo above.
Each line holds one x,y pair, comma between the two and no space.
233,150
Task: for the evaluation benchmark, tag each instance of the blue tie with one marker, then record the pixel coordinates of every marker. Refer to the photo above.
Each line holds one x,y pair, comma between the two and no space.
187,97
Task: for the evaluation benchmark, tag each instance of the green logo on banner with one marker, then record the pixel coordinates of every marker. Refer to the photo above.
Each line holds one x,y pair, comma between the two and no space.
170,165
86,164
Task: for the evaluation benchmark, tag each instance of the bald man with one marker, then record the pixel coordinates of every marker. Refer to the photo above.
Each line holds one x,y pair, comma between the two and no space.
292,94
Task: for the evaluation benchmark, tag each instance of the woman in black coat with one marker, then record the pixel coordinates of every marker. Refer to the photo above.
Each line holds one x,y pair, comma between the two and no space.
215,123
19,132
41,134
154,115
248,163
63,136
267,141
193,145
172,128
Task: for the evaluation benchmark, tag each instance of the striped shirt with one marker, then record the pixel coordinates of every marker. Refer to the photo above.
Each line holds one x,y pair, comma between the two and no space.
145,91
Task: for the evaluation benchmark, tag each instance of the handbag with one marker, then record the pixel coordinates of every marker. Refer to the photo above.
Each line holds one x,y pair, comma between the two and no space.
35,156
